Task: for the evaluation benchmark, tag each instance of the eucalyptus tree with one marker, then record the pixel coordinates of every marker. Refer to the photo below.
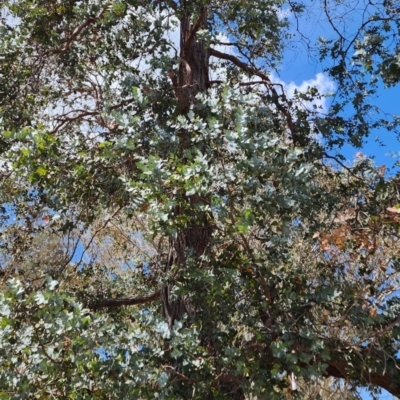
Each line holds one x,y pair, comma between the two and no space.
251,263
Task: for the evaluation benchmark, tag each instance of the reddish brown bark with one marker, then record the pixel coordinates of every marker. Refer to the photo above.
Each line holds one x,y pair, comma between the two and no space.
194,239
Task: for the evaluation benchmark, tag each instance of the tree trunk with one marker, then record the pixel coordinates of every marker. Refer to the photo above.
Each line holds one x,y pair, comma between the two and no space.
194,239
194,57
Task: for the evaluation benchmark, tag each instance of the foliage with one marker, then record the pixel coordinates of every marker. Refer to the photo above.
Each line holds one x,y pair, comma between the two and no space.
172,223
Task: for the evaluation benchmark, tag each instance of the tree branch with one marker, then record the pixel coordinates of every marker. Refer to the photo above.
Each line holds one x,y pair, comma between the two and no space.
219,82
247,68
326,155
125,301
195,29
362,364
79,29
270,86
338,368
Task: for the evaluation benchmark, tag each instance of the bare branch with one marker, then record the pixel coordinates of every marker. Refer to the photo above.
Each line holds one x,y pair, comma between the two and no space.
77,31
326,155
64,119
103,226
170,3
270,86
246,68
219,82
125,301
338,368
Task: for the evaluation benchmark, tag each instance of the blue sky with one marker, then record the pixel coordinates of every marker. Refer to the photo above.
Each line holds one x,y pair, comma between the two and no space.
383,396
301,65
300,68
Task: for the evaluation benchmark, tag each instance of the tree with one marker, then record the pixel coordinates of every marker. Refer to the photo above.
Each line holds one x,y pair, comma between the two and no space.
196,190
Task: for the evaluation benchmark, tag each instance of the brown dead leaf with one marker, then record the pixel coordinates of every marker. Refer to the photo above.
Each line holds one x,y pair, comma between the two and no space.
373,312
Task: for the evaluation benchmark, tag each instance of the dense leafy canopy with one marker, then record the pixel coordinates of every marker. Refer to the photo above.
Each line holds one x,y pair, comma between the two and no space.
174,224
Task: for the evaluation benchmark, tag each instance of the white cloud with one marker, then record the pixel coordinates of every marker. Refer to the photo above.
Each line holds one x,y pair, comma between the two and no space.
321,82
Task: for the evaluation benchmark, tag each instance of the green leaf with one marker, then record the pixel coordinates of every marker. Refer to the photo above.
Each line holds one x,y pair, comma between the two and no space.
41,171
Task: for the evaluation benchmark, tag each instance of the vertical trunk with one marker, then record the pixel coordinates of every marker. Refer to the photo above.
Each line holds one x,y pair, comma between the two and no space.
193,72
195,238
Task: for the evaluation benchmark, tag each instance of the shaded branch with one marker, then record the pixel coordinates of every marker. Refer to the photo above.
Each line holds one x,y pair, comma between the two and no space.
362,365
171,4
125,301
326,155
64,119
219,82
338,368
247,68
270,86
77,31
